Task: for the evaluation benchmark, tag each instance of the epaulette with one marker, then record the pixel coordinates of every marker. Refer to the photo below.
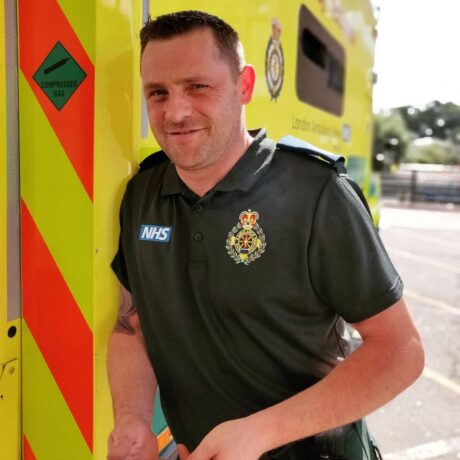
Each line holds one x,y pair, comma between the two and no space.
293,144
152,160
296,145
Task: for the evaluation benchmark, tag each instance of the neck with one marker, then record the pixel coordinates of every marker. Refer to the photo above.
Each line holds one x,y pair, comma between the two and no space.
201,180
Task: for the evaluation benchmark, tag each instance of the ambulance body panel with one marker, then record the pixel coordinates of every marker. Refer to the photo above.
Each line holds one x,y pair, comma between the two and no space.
73,129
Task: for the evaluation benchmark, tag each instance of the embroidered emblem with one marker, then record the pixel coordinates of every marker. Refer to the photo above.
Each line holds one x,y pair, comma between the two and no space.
156,233
246,241
274,61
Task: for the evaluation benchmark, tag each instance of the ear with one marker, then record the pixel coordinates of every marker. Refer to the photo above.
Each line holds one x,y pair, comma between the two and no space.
247,82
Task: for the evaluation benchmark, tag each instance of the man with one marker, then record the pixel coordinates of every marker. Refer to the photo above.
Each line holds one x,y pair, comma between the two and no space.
239,262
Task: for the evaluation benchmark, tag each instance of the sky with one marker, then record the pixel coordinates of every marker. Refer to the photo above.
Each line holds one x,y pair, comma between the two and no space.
417,56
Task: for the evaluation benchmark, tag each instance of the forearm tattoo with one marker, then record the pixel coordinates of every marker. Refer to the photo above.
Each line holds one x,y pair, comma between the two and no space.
127,309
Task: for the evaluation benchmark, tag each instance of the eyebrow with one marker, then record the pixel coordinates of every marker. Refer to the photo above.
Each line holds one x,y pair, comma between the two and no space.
155,85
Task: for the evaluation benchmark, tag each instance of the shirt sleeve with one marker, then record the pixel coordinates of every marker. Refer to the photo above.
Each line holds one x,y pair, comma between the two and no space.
119,265
349,267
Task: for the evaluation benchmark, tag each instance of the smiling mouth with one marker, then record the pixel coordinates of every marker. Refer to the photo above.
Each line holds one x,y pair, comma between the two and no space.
181,133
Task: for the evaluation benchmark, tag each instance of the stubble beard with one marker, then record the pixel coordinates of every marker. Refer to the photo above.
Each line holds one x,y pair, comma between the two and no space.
213,148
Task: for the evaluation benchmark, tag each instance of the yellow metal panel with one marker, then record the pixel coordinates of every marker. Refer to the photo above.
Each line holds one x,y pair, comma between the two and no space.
10,348
9,410
50,178
81,15
48,423
117,136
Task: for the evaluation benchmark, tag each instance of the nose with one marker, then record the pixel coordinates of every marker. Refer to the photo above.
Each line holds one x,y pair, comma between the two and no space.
177,108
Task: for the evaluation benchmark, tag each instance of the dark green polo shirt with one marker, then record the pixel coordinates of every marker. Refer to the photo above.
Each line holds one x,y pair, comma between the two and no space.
242,294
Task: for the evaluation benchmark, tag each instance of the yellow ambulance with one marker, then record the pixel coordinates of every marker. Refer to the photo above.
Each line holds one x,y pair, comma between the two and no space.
73,129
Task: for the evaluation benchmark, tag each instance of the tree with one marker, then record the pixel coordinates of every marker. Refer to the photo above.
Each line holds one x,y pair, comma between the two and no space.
434,152
391,139
399,128
436,120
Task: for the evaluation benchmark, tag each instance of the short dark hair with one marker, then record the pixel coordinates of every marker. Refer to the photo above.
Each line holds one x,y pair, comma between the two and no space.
181,22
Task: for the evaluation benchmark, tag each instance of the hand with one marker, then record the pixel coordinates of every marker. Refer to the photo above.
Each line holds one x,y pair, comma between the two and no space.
132,439
182,451
233,440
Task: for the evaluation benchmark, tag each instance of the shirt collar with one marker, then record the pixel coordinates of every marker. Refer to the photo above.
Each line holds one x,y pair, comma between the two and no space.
244,174
171,181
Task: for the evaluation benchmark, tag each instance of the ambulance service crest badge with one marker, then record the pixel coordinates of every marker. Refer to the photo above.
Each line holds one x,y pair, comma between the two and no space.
246,241
274,61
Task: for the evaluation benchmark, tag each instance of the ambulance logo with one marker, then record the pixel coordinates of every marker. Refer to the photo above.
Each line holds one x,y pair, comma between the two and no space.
155,233
246,241
274,61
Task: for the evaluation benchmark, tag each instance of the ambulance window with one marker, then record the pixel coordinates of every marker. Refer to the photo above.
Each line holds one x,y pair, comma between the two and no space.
313,48
320,73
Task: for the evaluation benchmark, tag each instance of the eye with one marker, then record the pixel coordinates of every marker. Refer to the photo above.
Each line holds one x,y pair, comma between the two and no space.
198,86
156,94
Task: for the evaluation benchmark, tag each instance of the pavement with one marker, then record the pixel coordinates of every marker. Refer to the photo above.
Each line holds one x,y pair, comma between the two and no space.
423,241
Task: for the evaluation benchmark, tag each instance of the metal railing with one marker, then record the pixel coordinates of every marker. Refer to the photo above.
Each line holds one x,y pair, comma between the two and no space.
437,183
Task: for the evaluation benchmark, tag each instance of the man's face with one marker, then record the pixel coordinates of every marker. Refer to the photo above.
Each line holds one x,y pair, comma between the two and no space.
194,102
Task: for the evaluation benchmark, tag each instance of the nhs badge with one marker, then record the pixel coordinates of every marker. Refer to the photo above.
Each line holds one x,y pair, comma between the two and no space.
155,233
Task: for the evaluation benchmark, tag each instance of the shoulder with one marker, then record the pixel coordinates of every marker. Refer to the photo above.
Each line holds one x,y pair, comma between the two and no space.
329,166
153,161
312,153
152,166
148,176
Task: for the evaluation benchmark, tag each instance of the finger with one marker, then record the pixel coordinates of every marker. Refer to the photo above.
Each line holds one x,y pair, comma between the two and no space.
182,451
118,449
202,452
